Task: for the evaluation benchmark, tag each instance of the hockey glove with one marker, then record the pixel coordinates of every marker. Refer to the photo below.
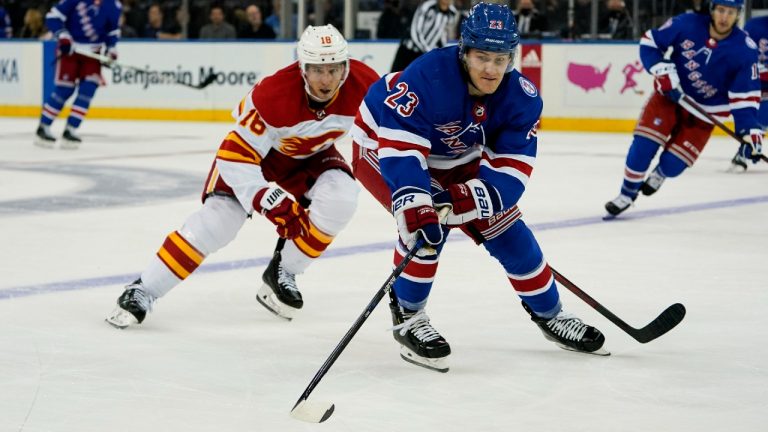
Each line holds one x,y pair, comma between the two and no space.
666,80
64,45
416,217
289,217
112,54
752,147
475,199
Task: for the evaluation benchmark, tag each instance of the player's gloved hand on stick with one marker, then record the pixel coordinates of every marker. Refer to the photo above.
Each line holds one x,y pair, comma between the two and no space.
752,147
289,217
416,217
475,199
64,45
666,80
112,53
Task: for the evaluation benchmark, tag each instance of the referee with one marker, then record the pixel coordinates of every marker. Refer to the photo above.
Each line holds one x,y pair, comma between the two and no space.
429,30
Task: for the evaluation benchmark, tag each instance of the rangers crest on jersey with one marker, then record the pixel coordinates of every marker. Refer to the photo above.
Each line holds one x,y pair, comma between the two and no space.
528,87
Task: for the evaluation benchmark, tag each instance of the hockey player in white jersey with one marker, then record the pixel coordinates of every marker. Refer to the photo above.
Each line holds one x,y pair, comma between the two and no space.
283,142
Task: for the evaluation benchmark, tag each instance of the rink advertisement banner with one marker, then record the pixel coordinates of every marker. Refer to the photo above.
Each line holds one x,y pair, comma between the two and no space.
608,80
150,76
20,74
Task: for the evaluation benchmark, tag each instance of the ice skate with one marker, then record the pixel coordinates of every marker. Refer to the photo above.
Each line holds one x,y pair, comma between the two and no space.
617,205
70,140
44,138
738,164
279,293
652,183
132,306
420,343
570,333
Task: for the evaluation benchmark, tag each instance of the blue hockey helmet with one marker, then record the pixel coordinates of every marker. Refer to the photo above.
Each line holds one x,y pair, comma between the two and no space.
490,27
730,3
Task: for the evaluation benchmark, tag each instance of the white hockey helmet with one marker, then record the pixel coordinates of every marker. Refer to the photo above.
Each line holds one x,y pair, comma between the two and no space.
322,45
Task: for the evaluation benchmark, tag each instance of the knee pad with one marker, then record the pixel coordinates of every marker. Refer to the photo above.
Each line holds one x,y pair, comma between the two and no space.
334,200
214,225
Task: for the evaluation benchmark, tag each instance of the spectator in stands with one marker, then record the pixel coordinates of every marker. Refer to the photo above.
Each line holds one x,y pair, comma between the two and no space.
273,20
126,31
218,28
530,22
392,22
683,6
135,17
615,21
556,12
156,28
34,25
254,27
6,29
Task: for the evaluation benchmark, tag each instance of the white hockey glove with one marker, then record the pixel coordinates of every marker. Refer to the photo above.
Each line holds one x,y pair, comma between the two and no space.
666,80
416,217
475,199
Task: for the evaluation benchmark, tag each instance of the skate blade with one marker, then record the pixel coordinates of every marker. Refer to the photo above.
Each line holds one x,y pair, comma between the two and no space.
121,318
737,169
599,352
437,365
267,298
69,145
44,143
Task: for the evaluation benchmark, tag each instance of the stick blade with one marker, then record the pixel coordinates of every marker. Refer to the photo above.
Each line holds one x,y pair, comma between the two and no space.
312,411
665,322
207,81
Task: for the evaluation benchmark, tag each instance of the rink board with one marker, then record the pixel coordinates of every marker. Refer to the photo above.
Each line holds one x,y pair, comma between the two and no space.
585,86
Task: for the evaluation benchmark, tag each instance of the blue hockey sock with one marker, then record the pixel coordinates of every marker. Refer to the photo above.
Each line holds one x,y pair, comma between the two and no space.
54,103
639,157
85,92
670,165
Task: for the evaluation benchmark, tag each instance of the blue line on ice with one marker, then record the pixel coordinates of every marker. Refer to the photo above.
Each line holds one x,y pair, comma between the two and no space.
71,285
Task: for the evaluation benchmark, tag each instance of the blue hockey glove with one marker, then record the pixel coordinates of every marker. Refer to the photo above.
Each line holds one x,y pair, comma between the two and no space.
752,147
64,45
475,199
666,80
416,217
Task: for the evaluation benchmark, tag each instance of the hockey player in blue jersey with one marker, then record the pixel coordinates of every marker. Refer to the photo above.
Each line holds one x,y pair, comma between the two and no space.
757,28
458,128
714,62
89,25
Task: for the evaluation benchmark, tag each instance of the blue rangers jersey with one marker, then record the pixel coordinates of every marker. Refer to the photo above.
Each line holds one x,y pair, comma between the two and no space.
722,76
425,118
89,23
757,28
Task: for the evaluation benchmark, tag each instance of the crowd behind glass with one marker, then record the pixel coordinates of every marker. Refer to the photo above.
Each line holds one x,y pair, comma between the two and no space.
260,19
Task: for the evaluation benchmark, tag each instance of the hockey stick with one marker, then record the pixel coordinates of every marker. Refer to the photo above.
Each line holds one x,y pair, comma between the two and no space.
665,322
320,411
108,62
687,100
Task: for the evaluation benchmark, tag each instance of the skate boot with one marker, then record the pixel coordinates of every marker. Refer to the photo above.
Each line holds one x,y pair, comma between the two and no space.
43,137
652,183
570,333
70,140
617,205
132,306
279,293
738,164
420,343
